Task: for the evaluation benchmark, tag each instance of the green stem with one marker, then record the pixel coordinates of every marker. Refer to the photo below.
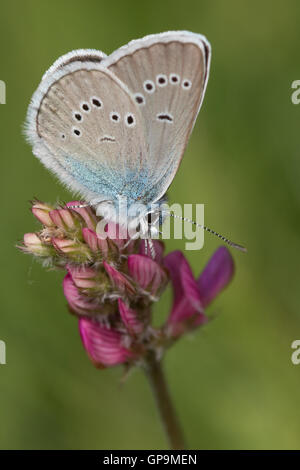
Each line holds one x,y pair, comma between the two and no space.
164,403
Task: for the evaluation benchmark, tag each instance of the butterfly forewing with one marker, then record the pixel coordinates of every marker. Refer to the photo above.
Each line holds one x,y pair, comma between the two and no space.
167,75
93,129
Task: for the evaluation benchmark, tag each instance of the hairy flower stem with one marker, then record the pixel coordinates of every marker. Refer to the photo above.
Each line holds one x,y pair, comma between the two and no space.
164,403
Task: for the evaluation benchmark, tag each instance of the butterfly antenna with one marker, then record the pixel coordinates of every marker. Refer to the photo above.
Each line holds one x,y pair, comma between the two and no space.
207,229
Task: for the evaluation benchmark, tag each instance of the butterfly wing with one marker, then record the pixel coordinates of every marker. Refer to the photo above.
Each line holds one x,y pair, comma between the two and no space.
86,127
79,55
167,74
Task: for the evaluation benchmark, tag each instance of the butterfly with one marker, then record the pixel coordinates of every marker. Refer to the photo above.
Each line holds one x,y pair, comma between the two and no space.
118,125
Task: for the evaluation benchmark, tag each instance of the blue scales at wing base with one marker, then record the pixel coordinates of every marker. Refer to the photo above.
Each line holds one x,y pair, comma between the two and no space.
137,186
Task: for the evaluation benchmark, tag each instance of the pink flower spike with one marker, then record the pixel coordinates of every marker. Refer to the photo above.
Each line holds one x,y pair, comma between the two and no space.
78,302
118,279
91,239
146,272
86,213
129,318
187,301
103,345
216,275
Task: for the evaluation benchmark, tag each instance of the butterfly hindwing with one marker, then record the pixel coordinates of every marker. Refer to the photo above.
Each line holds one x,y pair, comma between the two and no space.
167,74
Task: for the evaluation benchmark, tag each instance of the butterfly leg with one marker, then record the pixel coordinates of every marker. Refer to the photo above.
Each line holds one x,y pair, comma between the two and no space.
152,248
146,247
88,204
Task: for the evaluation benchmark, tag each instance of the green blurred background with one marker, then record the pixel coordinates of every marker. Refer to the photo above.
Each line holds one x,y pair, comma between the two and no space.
233,382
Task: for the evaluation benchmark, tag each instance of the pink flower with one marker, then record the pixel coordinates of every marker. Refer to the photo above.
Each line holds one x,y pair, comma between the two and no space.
191,295
79,303
119,280
33,244
103,345
42,212
130,319
147,273
63,219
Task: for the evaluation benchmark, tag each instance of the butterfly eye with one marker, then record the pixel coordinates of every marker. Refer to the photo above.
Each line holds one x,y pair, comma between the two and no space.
130,120
114,116
76,132
85,107
174,78
161,80
96,102
186,84
139,98
149,86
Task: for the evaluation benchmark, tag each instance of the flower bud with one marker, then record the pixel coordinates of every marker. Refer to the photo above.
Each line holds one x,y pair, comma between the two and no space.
72,249
33,244
41,211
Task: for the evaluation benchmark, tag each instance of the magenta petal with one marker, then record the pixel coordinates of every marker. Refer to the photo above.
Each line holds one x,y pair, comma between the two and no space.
117,278
78,302
146,272
158,248
216,275
90,239
83,276
96,244
187,300
129,318
103,345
